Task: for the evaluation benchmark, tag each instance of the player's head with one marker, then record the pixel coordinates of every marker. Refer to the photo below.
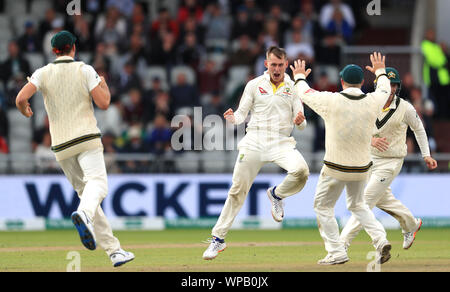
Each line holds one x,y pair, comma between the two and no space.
63,43
396,82
352,76
276,62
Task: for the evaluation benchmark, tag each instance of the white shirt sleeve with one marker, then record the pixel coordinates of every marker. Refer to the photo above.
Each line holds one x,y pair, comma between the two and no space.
36,78
244,105
92,78
318,101
413,120
383,90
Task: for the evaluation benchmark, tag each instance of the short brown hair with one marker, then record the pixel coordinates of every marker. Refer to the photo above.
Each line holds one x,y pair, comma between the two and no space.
277,51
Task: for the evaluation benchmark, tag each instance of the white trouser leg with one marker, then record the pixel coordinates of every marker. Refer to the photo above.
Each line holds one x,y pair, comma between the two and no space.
389,204
247,166
327,193
87,174
297,172
383,173
362,213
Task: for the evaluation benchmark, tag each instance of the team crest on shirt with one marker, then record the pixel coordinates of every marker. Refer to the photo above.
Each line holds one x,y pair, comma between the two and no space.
287,91
262,91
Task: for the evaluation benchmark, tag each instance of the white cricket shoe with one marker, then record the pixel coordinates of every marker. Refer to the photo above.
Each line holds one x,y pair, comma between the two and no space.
277,205
408,237
85,229
216,245
333,260
384,252
121,257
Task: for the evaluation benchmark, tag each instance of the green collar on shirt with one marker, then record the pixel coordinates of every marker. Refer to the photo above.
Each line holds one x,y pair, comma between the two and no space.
381,123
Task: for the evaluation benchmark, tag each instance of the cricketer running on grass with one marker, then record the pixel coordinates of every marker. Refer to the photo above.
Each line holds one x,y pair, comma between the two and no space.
349,118
275,107
68,88
388,152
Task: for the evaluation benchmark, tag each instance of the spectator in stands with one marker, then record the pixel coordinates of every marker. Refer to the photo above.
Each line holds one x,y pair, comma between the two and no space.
339,26
4,125
271,33
100,60
134,145
110,149
282,18
46,24
190,8
163,50
336,7
298,48
45,158
128,78
57,26
133,108
216,23
190,52
137,18
191,25
162,105
407,86
209,77
164,23
30,42
155,88
83,34
125,7
14,65
311,26
3,146
159,137
243,24
111,28
298,26
112,119
244,55
183,94
136,52
15,85
436,74
38,134
215,105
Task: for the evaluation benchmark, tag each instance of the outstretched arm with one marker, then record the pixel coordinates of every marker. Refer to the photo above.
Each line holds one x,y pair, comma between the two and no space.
22,99
378,68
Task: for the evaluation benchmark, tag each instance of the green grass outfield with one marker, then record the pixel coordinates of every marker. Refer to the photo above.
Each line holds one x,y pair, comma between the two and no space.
248,250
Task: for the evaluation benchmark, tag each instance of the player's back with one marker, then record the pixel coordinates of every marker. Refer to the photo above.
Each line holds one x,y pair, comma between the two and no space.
67,100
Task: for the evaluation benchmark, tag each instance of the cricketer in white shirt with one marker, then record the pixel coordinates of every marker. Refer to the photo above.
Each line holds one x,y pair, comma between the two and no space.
349,117
388,152
274,111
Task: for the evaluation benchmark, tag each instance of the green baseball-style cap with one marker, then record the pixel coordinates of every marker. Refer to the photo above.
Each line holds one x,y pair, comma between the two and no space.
352,74
393,75
62,39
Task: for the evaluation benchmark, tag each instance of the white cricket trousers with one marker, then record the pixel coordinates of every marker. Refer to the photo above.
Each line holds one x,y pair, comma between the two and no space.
379,193
328,192
87,174
247,166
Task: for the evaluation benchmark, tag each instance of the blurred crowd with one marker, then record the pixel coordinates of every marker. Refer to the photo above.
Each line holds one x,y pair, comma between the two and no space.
165,65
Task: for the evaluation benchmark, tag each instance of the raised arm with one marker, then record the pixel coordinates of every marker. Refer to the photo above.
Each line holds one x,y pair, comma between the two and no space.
316,100
378,68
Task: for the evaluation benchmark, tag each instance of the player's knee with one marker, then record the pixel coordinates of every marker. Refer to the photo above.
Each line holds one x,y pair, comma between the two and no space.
302,173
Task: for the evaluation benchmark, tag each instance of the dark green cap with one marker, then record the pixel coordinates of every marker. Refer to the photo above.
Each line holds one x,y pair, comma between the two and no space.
393,75
352,74
62,39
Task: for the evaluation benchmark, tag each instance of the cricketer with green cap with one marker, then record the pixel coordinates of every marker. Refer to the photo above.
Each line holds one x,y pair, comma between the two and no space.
69,89
349,118
388,151
352,74
62,42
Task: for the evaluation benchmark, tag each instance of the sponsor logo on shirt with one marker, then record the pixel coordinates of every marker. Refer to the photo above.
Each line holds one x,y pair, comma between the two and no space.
262,91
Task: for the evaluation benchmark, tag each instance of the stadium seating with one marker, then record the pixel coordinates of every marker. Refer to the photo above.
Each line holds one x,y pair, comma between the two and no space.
190,74
155,72
36,60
